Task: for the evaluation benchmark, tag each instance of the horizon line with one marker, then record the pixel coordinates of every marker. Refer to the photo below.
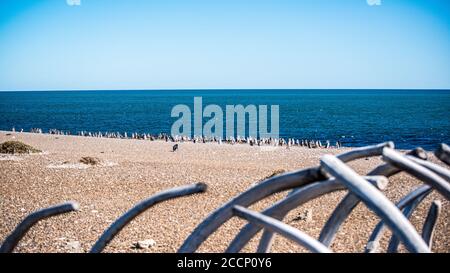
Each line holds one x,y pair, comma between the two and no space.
231,89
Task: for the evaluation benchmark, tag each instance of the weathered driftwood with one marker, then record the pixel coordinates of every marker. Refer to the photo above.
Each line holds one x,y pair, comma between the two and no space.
281,228
351,200
430,222
267,188
128,216
419,193
418,171
11,241
443,153
377,202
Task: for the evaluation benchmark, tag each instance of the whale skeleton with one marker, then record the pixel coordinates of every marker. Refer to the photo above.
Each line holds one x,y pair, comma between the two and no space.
332,174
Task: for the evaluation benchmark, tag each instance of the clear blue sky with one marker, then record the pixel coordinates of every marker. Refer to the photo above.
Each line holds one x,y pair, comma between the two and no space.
131,44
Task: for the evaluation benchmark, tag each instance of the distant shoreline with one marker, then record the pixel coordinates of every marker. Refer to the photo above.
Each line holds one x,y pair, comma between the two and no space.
282,143
331,148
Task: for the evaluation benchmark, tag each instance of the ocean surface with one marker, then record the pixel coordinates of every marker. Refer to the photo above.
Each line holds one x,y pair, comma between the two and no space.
410,118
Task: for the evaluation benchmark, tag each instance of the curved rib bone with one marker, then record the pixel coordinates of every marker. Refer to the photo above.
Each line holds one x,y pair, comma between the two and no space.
407,211
279,209
11,241
267,238
430,222
350,201
377,202
283,229
443,153
442,172
264,189
368,151
247,198
128,216
408,200
422,173
337,218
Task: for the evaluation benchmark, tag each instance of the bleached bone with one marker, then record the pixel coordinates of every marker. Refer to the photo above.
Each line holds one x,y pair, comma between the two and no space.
295,199
407,211
350,201
442,172
11,241
418,171
419,193
368,151
280,209
430,222
283,229
377,202
267,238
128,216
443,153
388,169
266,188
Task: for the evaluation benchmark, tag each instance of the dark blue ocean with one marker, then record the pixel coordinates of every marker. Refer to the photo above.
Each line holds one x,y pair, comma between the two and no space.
355,117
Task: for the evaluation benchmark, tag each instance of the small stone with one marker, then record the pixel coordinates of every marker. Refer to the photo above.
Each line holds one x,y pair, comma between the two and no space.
305,216
74,247
373,246
89,160
309,215
144,244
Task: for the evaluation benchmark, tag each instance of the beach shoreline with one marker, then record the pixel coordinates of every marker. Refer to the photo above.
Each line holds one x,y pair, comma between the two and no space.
131,170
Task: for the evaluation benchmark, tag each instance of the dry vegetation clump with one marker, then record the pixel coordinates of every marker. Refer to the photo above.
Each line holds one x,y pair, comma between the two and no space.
17,147
88,160
274,173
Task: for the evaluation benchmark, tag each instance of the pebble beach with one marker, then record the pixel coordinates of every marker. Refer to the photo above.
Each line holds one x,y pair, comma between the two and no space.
131,170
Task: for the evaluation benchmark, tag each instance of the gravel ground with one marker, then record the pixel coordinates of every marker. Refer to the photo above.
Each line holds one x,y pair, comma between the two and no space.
131,170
